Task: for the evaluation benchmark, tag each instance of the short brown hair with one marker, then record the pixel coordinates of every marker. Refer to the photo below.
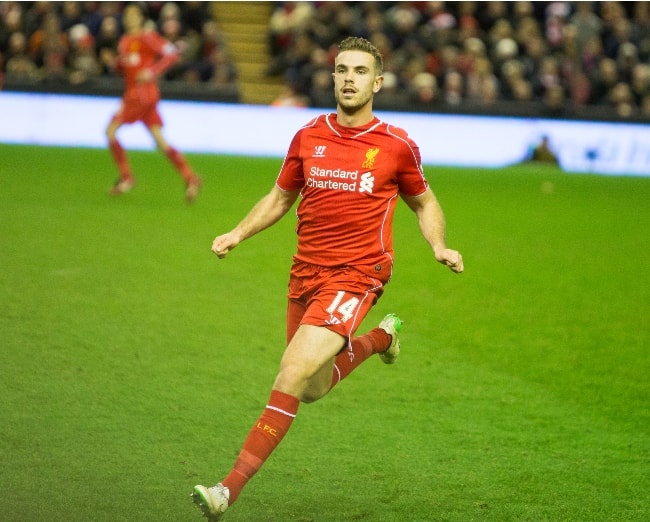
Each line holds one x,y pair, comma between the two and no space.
355,43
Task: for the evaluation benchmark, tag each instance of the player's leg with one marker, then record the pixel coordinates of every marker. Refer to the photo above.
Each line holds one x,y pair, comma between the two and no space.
305,369
382,340
351,355
126,179
307,363
192,181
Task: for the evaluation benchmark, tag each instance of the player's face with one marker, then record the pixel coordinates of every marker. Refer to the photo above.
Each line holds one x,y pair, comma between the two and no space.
132,19
355,80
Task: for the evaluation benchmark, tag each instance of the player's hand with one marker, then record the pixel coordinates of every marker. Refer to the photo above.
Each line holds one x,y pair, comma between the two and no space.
452,259
224,244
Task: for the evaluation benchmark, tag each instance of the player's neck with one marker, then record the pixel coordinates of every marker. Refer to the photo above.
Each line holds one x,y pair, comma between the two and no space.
354,119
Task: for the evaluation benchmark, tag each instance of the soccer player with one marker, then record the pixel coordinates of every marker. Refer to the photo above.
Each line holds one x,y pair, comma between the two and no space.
143,55
348,169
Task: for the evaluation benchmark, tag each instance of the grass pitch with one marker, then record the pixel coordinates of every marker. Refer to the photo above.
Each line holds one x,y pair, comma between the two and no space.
134,362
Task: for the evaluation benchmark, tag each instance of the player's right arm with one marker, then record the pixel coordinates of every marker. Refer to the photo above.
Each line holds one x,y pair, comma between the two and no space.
266,212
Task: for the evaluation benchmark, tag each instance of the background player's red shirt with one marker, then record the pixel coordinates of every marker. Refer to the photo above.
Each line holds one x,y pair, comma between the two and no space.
144,51
349,180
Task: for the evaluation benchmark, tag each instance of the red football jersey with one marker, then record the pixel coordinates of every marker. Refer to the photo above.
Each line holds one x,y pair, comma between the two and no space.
350,179
144,51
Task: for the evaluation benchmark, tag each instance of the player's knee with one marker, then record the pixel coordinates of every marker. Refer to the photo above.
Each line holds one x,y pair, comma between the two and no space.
311,395
110,132
297,381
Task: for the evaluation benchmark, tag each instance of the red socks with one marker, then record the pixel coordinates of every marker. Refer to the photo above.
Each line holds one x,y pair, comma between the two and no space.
357,351
172,154
263,438
120,159
179,162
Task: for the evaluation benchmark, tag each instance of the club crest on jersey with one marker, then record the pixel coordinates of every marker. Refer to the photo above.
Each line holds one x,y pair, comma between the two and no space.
319,151
370,158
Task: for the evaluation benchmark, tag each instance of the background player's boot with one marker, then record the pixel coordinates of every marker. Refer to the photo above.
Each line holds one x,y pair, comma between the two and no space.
391,324
212,501
192,189
122,186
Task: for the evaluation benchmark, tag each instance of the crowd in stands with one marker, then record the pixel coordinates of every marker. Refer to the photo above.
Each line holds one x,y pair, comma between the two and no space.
74,42
567,58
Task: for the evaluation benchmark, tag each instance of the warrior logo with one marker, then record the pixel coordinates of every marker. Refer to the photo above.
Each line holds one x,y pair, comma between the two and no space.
319,151
370,158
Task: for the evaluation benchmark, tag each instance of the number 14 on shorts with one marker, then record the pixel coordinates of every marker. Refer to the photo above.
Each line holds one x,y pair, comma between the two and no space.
345,308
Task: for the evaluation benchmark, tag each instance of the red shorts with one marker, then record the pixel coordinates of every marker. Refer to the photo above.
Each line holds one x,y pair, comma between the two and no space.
336,298
139,105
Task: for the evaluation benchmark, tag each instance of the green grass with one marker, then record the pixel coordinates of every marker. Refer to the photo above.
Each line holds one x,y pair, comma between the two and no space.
134,362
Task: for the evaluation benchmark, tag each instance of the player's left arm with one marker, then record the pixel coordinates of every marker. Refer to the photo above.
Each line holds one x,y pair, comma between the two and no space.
432,225
167,54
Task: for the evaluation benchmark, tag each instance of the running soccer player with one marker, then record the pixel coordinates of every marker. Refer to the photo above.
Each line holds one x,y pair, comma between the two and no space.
348,169
143,55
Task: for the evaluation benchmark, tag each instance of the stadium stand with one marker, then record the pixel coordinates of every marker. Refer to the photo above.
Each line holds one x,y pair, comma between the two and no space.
552,59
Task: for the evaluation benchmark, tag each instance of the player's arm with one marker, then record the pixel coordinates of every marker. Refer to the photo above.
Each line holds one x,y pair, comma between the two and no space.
265,213
432,225
167,54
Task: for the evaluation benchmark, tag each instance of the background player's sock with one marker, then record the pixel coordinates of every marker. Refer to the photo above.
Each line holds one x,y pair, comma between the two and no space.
117,151
359,349
263,438
178,160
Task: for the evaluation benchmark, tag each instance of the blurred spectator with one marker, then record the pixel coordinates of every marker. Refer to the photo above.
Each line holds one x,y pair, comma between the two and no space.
403,20
481,85
626,59
640,83
603,81
214,63
554,102
49,48
620,97
84,64
224,72
591,55
297,58
468,25
547,77
556,20
287,19
71,14
109,35
19,63
305,76
521,90
512,73
453,91
289,97
620,33
73,42
424,89
491,13
588,25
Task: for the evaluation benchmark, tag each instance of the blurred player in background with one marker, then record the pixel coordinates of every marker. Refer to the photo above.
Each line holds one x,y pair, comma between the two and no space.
143,56
348,169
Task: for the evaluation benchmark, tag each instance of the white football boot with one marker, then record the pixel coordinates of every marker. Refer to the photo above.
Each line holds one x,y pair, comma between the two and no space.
391,324
212,501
